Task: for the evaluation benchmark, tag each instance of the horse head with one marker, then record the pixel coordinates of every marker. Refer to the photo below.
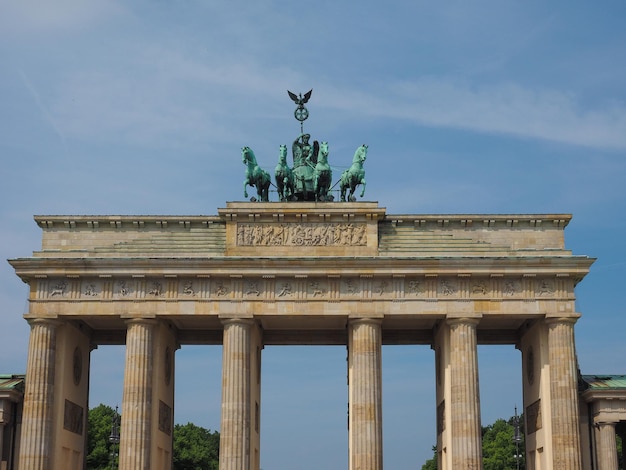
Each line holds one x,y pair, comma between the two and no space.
323,152
247,156
282,154
360,155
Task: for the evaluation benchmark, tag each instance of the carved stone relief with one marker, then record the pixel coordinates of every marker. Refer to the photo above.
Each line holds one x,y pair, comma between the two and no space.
415,287
480,288
91,290
156,289
545,287
123,288
306,234
165,418
59,289
533,417
302,288
316,289
511,287
73,417
447,287
351,287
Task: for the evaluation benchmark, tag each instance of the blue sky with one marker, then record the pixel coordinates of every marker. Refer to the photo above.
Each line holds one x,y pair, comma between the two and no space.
140,107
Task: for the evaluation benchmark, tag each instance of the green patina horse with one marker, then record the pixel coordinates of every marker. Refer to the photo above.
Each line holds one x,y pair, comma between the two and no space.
255,175
354,175
323,174
284,176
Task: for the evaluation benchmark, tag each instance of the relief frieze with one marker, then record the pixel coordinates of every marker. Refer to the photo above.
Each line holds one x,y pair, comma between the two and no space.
415,287
351,287
303,234
123,288
59,288
512,287
302,287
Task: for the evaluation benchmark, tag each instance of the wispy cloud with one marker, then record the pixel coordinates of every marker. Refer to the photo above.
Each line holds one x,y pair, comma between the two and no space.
45,113
136,106
506,108
28,17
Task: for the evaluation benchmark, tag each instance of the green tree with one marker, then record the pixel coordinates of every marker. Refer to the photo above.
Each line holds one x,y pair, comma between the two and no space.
99,448
195,448
431,464
499,448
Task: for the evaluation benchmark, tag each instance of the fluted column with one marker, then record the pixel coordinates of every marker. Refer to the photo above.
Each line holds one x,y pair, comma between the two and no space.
465,432
36,434
607,446
564,394
366,434
135,438
235,423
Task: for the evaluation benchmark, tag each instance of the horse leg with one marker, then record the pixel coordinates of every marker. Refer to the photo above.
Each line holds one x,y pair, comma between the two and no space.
245,188
352,191
363,190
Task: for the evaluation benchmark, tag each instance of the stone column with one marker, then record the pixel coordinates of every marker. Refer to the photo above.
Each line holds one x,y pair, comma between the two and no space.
564,394
364,360
607,446
35,444
235,423
135,438
465,432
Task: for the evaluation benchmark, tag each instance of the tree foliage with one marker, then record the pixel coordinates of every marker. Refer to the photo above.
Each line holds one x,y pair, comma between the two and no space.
499,448
195,448
431,464
99,448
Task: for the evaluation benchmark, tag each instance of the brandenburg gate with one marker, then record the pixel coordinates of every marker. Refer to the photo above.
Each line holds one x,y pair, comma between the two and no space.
318,273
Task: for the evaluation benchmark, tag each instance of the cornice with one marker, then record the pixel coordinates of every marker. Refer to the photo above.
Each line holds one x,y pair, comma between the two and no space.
555,265
278,211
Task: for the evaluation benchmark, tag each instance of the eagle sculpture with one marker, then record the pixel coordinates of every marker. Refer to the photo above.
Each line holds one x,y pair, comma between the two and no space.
300,100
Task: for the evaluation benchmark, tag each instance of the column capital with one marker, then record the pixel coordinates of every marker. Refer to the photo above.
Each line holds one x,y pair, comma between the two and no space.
55,322
605,422
141,321
365,320
562,319
473,321
238,321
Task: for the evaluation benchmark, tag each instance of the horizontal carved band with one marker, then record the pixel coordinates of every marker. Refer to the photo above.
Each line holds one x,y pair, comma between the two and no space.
334,288
303,234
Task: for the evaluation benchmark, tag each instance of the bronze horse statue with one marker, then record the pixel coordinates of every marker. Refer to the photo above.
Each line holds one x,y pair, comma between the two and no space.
354,175
323,174
255,175
284,176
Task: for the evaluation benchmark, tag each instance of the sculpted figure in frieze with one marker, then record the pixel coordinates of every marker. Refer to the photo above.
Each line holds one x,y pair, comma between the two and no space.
308,234
511,287
91,290
59,288
123,288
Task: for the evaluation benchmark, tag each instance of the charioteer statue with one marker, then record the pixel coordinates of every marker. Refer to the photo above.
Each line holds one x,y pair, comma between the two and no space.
310,179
